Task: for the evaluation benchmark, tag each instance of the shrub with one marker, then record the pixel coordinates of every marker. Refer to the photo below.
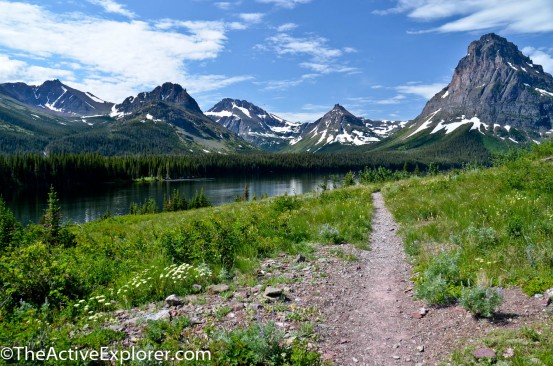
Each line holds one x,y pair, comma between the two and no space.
348,179
330,235
481,301
260,345
439,280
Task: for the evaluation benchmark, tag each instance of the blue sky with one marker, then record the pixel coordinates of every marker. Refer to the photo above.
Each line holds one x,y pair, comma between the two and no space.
381,59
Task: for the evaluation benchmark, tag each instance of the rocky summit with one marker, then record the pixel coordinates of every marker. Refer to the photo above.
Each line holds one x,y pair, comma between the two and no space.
55,98
496,90
336,128
254,124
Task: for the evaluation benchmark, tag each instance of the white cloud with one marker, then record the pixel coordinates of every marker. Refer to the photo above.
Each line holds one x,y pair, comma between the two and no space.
528,16
116,57
426,91
224,5
288,4
16,70
111,6
540,58
322,59
287,27
287,84
252,17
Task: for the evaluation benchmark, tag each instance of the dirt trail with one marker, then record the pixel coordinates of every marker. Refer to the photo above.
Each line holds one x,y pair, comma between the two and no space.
371,316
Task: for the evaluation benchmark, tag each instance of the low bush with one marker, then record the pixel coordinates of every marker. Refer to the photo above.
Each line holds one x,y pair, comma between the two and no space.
481,301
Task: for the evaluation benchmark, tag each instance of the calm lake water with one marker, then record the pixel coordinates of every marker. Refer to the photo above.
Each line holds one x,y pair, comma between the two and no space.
84,206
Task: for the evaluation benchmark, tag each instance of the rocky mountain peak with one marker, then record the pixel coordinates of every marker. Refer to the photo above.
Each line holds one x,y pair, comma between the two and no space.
497,84
167,93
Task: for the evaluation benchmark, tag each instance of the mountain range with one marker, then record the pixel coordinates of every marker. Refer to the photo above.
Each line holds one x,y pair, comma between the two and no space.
497,98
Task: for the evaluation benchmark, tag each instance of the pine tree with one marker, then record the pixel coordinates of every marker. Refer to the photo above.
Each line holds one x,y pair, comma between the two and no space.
51,220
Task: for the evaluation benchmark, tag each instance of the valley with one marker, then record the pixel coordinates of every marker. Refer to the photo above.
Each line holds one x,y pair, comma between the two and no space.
152,225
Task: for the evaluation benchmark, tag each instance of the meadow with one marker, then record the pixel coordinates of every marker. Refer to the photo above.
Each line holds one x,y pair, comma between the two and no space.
61,284
482,229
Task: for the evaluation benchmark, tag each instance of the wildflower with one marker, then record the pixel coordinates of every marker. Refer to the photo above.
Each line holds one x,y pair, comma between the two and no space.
76,305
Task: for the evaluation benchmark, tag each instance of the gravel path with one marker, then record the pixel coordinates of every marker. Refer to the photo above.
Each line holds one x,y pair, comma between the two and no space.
372,318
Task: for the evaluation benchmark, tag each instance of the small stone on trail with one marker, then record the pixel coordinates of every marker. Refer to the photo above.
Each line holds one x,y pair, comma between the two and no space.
396,357
355,359
272,292
420,348
217,289
483,353
173,300
423,311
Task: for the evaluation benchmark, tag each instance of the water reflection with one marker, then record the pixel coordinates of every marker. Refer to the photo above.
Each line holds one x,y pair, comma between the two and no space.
84,206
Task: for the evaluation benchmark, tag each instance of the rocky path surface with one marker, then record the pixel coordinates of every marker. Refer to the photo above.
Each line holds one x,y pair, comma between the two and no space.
372,318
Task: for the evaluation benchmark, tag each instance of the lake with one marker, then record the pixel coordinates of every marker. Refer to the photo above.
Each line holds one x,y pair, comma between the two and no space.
88,205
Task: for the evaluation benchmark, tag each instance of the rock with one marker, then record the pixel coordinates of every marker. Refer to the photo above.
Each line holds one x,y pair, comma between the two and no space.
238,307
423,311
546,301
354,359
420,348
255,306
417,315
256,288
395,357
197,288
162,314
538,296
299,259
174,300
217,289
240,295
548,293
484,353
195,321
272,292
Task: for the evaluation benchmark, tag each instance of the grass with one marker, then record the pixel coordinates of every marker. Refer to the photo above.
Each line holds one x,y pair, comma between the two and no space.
130,261
529,345
483,228
499,221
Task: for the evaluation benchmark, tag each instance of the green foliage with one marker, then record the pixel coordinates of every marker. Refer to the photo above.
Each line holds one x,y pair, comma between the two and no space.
175,202
285,203
149,206
499,220
54,232
260,345
438,283
159,331
537,286
481,301
10,229
348,179
330,235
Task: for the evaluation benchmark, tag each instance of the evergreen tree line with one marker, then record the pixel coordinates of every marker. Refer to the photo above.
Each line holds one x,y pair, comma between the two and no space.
74,170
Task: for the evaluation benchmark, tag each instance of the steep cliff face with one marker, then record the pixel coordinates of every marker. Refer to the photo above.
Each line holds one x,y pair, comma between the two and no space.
498,86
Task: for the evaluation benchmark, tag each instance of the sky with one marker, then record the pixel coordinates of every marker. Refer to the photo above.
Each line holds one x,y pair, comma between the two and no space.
381,59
